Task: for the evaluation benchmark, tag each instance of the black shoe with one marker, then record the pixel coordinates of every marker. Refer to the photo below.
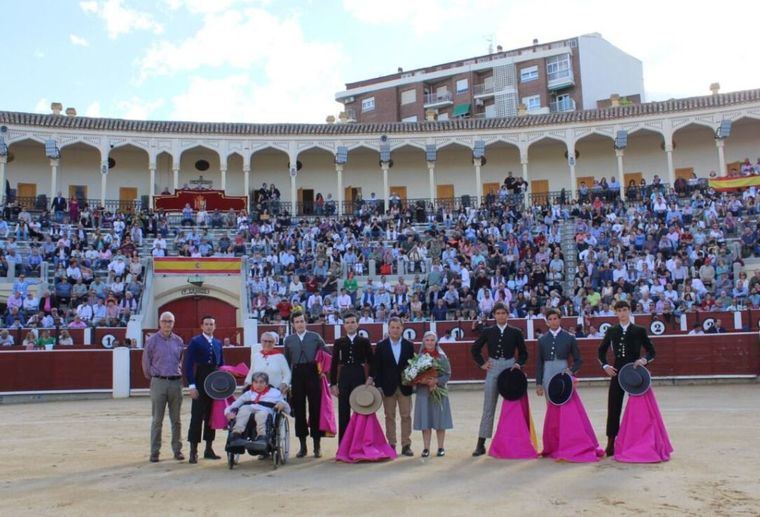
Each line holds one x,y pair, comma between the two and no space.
441,453
193,457
301,452
480,448
610,450
154,458
425,453
406,450
235,436
179,456
317,453
209,454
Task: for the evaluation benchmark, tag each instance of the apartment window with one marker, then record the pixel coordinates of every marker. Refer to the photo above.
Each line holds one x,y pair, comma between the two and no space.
558,67
413,118
490,110
528,74
443,116
533,103
368,104
408,97
462,85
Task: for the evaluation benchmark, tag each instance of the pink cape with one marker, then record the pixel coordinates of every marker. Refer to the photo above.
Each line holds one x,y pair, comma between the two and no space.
642,437
240,370
326,409
568,433
515,437
218,420
364,440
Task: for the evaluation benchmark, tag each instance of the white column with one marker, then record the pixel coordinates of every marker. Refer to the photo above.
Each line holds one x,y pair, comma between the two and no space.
386,189
621,174
247,186
120,372
53,178
103,183
3,161
478,162
524,163
431,179
571,164
671,169
720,144
152,186
223,172
339,196
175,173
293,194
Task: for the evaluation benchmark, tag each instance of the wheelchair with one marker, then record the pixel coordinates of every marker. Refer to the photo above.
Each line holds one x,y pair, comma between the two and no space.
275,445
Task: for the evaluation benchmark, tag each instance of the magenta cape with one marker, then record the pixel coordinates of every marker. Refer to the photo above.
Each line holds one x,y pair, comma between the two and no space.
326,409
364,440
240,370
568,433
218,420
642,437
515,437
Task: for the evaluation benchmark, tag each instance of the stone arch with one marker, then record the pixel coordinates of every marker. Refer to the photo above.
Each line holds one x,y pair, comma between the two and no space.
190,158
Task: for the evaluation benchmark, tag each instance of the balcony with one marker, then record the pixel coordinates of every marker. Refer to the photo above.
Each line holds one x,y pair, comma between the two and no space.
483,90
563,105
560,79
438,100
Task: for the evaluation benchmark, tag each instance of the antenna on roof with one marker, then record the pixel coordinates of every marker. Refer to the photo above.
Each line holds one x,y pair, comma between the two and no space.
489,39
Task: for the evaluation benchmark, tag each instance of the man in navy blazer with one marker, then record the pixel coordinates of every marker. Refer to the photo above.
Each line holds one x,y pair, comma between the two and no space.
203,356
392,355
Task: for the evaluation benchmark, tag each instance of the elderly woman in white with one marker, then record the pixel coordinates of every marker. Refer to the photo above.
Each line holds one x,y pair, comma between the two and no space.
271,361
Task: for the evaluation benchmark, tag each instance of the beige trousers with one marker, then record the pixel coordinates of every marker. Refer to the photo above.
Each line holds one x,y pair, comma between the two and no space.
405,410
244,414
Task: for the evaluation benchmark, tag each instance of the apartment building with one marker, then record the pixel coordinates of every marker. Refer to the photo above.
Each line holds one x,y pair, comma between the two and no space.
579,73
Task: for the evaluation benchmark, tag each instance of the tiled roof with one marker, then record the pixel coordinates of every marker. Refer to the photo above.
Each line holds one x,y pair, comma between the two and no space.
228,128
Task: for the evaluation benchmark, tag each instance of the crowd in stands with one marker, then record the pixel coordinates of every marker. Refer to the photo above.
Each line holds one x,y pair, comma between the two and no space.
665,250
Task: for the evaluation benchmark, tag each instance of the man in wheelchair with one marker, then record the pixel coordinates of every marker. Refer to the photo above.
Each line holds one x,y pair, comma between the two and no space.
261,401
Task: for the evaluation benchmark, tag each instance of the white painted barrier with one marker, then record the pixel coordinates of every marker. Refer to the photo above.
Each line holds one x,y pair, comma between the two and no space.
121,382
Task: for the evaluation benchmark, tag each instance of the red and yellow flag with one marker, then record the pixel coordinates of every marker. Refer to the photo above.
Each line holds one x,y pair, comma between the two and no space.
726,184
205,266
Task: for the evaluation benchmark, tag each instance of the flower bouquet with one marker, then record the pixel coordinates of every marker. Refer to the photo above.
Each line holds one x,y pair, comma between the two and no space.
422,368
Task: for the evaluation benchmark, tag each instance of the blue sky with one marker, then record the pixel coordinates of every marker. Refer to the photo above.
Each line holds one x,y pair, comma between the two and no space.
283,61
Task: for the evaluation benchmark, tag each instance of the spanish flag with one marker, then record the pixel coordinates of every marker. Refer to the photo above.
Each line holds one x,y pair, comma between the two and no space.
206,266
729,184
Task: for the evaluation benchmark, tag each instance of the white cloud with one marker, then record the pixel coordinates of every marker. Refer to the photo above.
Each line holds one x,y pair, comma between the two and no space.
423,16
93,110
38,54
42,106
119,19
78,41
270,72
137,109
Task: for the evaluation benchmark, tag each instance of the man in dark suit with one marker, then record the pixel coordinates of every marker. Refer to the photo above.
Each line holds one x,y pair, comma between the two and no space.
203,356
392,355
502,342
59,207
352,357
625,340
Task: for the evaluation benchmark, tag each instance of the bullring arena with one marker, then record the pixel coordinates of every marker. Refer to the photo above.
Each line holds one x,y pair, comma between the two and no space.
107,224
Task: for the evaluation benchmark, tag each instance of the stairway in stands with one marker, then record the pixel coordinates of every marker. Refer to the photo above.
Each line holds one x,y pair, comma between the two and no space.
570,253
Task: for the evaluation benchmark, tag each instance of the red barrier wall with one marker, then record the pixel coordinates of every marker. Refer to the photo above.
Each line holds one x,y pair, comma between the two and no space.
724,354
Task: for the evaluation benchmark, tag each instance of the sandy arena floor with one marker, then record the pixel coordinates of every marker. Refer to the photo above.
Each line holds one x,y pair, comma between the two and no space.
93,461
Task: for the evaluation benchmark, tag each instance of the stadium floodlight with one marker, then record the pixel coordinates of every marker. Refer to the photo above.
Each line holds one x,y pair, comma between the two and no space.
341,155
621,139
3,147
51,150
479,149
724,130
430,152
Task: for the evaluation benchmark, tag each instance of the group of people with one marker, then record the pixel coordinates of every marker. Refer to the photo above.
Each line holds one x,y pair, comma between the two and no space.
290,379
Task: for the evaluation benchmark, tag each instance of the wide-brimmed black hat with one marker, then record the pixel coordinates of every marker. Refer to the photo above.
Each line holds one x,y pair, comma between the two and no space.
219,385
634,381
512,384
560,389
